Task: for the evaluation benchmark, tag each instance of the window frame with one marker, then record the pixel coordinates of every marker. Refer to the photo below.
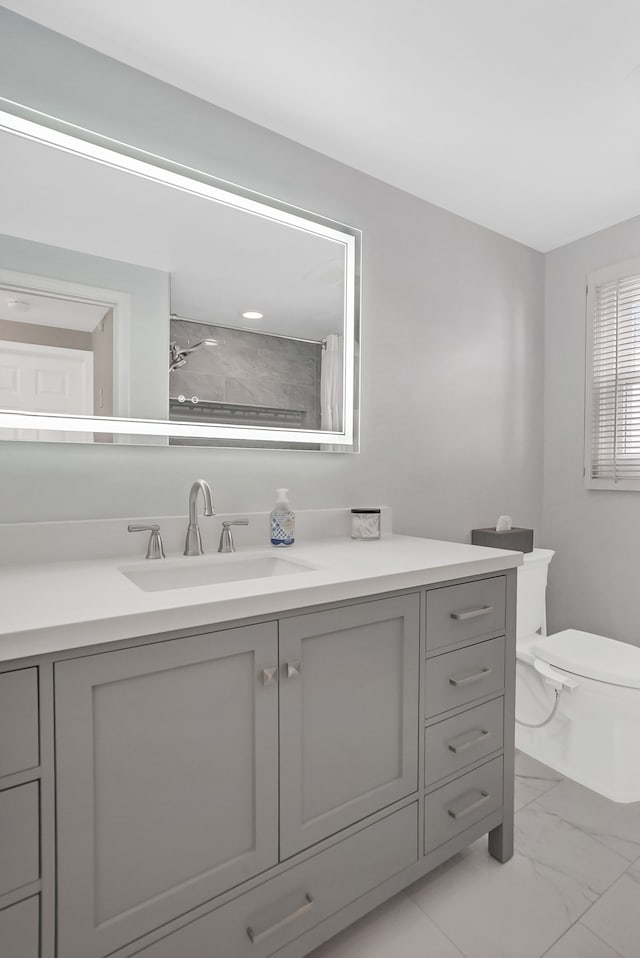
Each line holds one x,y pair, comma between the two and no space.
597,277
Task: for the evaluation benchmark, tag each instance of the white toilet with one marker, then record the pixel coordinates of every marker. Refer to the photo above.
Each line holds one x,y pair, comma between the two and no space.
594,735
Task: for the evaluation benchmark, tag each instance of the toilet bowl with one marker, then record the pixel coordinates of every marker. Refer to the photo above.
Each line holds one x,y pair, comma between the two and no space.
594,735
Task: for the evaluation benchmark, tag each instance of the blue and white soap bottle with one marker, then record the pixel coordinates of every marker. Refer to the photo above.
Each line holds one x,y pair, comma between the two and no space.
283,520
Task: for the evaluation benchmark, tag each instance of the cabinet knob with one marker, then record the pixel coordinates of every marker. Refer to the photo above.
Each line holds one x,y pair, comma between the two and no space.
293,669
270,676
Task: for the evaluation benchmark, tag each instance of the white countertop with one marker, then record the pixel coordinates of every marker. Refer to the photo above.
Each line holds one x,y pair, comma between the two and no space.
58,606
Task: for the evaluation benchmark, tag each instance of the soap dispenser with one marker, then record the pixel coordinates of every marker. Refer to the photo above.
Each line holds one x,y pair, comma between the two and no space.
282,520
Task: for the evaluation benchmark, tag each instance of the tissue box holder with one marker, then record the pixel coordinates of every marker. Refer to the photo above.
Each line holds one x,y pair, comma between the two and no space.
517,539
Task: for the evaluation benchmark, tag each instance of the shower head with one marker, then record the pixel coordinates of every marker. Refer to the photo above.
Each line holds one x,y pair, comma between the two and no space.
178,355
205,342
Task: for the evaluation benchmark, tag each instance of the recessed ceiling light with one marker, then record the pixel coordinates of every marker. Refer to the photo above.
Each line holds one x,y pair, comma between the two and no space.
251,314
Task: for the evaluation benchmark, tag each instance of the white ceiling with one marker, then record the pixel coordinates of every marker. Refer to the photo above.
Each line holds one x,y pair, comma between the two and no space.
49,311
518,114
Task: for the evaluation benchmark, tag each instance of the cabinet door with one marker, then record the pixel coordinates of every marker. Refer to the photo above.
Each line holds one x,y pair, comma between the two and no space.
19,929
349,716
167,781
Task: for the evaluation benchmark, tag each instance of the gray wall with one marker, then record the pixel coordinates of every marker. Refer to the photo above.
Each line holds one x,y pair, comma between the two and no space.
452,343
594,576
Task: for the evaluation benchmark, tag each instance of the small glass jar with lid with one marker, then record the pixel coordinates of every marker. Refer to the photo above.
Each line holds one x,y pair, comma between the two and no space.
365,523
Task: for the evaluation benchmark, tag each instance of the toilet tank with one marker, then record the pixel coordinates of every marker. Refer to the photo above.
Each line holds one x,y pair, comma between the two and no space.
532,585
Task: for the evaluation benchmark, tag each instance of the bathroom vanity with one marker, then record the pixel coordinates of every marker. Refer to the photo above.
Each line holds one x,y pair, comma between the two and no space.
245,768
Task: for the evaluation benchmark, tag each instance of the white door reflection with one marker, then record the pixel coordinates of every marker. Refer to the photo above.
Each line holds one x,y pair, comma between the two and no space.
56,357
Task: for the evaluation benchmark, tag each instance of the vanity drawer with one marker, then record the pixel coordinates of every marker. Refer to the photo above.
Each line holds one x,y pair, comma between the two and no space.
470,610
266,918
18,721
460,804
20,929
456,742
459,677
19,836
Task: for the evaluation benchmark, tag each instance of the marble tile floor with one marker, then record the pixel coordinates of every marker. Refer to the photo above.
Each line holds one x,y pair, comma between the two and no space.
572,889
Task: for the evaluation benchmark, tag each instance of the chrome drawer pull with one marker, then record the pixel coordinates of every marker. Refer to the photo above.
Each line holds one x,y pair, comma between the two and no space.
459,811
258,936
269,676
466,740
468,678
471,613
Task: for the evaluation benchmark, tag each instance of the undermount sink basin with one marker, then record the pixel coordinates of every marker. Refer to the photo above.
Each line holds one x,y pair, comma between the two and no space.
189,572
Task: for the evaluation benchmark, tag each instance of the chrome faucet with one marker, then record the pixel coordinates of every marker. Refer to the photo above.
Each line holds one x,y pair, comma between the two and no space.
193,544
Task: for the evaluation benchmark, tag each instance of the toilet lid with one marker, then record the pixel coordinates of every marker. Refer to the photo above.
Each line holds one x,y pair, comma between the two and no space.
591,656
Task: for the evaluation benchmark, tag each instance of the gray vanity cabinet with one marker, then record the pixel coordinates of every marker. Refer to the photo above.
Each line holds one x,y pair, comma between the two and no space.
250,791
167,780
349,686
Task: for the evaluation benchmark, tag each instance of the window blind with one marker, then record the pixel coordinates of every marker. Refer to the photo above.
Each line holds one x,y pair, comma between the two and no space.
615,381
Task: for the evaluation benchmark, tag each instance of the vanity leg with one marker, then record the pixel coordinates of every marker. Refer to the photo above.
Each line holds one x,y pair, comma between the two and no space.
501,841
501,837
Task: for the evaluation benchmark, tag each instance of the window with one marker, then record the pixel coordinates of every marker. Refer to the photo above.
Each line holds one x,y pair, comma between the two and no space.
612,442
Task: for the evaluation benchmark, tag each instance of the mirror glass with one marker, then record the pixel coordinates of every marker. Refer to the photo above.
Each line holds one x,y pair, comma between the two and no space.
140,302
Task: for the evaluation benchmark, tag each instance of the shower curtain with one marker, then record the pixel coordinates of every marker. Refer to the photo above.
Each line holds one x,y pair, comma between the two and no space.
331,384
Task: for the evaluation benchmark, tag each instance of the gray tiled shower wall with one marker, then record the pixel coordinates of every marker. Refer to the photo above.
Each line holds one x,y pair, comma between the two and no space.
249,368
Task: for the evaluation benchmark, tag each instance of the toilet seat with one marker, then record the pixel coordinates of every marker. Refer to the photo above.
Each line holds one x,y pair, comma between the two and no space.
592,657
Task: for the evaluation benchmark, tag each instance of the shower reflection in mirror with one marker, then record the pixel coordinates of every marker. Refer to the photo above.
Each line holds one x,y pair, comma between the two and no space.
222,373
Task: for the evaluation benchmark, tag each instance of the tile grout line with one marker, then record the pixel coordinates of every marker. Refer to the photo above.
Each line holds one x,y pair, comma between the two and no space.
597,839
525,805
580,919
571,825
536,778
441,930
589,834
603,844
577,921
600,938
531,801
565,932
634,864
545,791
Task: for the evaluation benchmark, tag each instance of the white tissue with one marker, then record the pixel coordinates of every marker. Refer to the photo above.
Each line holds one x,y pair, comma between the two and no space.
503,524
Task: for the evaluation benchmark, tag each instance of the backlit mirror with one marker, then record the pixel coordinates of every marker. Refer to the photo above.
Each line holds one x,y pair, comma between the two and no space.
144,302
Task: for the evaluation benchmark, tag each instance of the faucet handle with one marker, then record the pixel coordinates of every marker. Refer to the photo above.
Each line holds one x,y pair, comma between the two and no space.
226,543
155,548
